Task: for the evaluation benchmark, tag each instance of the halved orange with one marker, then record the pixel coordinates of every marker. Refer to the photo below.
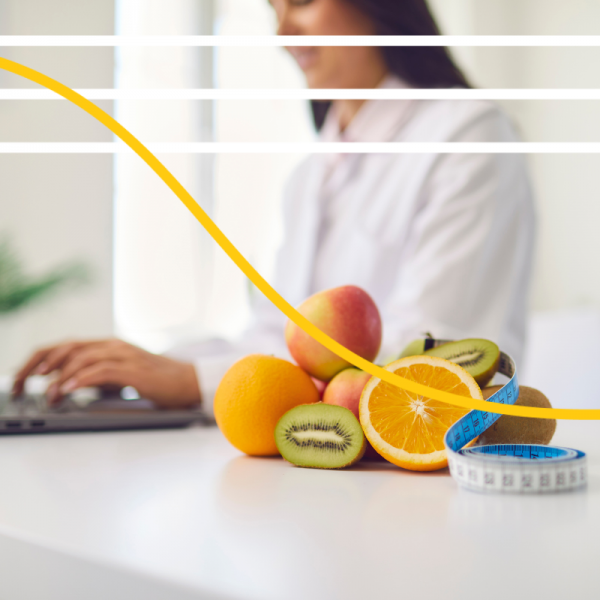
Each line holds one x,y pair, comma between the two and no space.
408,429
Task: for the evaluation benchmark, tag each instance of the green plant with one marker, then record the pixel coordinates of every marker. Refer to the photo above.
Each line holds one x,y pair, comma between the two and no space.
18,290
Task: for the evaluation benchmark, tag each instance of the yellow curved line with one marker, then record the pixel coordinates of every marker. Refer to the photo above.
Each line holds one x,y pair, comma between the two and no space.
264,287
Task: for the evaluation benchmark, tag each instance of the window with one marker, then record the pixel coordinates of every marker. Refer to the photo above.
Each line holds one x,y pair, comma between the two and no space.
171,281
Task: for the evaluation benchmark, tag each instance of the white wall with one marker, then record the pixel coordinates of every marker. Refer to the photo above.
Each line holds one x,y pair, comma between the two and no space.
57,208
517,17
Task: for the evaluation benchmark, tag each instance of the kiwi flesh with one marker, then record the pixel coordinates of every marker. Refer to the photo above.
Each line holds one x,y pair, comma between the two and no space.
519,430
478,357
320,436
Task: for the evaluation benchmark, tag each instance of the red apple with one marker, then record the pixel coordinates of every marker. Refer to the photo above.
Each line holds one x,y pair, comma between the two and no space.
345,389
349,316
321,386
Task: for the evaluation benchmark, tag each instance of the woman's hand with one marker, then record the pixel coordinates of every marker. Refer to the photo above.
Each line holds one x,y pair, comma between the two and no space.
113,362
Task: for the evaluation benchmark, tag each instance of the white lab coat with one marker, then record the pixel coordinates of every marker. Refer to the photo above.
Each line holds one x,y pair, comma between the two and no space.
442,243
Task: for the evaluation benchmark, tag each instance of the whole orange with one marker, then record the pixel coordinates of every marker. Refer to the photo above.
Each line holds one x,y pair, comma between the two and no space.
253,395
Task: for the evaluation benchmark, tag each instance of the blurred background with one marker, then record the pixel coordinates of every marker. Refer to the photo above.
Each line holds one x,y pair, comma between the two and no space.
93,244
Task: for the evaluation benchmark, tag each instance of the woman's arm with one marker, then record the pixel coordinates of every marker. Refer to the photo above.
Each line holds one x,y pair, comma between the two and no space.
112,362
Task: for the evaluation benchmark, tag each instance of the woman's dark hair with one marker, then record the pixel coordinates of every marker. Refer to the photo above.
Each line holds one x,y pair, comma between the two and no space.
421,67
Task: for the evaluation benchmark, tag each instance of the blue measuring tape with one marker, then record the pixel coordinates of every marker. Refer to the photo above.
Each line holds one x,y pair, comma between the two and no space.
509,468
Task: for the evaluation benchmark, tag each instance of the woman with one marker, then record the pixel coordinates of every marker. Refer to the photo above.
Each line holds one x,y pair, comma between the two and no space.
443,243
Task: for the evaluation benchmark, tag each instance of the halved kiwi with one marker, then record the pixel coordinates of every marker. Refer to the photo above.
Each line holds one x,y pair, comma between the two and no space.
478,357
320,436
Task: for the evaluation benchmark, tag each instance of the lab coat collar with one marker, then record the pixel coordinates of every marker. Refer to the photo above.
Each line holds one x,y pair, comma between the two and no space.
376,120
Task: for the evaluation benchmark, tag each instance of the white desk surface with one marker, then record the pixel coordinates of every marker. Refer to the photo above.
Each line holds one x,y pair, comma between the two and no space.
181,514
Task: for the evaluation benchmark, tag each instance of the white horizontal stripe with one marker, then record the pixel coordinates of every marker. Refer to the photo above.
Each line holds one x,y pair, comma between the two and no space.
305,148
306,94
281,40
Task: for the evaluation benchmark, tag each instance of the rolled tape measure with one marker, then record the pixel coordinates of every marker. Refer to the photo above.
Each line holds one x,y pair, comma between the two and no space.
508,468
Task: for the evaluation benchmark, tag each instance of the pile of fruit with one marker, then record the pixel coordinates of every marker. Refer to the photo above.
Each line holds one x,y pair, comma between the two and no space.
323,413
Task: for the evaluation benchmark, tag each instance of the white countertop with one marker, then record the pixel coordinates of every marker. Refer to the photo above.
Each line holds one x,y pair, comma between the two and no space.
181,514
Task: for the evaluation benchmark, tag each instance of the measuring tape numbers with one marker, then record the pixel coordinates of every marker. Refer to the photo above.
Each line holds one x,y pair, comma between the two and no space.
509,468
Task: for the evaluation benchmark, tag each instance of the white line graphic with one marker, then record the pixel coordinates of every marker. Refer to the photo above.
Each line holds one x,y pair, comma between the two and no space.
275,40
308,94
304,148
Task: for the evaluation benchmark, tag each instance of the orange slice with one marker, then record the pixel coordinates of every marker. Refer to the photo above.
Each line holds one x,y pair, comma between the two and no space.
408,429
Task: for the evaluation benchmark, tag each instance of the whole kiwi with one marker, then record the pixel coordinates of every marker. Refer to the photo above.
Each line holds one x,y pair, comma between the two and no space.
519,430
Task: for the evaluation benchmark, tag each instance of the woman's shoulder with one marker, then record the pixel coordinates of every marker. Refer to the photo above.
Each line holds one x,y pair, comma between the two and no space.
458,120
